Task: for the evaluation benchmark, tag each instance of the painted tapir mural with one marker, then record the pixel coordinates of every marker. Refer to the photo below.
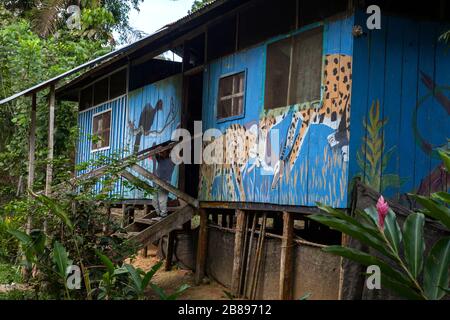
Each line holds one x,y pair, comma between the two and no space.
153,113
250,147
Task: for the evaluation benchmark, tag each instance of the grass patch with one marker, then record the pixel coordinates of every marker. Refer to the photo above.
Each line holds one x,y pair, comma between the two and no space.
9,274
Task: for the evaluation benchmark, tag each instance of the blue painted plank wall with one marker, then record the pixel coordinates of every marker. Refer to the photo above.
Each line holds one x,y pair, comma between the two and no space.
153,114
318,170
404,68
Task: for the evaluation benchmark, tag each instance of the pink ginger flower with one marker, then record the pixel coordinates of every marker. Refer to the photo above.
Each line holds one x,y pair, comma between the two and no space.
382,209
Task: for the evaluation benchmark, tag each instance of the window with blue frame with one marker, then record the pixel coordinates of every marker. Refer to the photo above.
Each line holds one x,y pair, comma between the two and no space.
231,96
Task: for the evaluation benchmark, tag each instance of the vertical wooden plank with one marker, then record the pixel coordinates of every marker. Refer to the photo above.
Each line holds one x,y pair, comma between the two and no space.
202,247
170,249
441,106
238,247
32,144
286,258
392,112
422,124
407,146
31,154
359,100
51,131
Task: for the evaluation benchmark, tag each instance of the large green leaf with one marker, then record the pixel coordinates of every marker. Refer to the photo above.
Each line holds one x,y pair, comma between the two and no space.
391,228
149,275
353,231
60,258
178,292
434,209
400,289
445,156
441,196
436,269
414,243
21,236
106,261
371,228
368,260
137,281
55,208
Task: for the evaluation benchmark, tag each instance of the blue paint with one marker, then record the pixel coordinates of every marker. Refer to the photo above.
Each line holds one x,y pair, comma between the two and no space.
126,113
397,65
84,153
257,181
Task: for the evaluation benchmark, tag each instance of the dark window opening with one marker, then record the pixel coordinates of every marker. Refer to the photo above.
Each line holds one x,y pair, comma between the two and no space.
222,39
152,71
86,98
194,52
318,10
101,129
118,84
231,96
101,89
294,70
267,19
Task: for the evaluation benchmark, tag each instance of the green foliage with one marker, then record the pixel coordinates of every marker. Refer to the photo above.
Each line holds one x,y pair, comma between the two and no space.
9,274
174,296
198,4
404,266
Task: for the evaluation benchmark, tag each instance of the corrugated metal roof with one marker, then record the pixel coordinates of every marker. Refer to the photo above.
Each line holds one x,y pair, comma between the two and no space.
117,54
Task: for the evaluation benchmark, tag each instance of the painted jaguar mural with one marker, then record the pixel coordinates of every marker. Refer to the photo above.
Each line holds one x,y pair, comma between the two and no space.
253,146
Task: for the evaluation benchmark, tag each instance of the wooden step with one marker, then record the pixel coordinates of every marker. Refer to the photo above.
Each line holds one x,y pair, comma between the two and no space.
144,221
160,228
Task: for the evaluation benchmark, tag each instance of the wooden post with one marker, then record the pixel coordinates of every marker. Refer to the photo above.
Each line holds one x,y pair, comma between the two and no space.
202,247
51,132
286,260
170,248
144,252
31,154
238,247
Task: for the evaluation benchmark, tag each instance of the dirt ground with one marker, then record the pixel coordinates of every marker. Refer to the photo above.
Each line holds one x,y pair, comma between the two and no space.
171,280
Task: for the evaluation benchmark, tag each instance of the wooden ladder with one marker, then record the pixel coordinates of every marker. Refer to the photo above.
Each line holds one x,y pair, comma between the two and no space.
146,230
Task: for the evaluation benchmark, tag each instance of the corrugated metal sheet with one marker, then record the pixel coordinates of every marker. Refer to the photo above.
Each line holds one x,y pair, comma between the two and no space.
118,122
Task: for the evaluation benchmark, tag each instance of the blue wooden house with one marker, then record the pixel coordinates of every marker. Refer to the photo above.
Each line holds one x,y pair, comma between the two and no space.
295,100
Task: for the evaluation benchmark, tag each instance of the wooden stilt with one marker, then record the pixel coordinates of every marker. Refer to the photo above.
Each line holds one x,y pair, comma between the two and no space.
286,259
250,249
144,252
238,247
31,168
202,247
31,154
259,250
124,216
51,142
170,250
